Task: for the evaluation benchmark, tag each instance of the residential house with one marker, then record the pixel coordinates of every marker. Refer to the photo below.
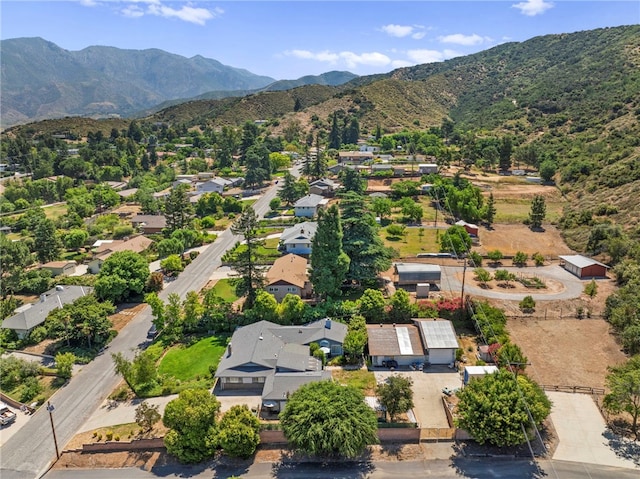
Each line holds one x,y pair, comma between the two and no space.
137,244
412,274
60,268
584,267
355,157
401,343
116,185
149,224
30,316
160,195
215,185
427,168
274,360
308,206
183,182
439,339
288,275
323,187
297,239
128,193
380,168
369,148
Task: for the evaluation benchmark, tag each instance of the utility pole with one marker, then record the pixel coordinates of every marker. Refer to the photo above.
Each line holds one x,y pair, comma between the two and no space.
50,408
464,275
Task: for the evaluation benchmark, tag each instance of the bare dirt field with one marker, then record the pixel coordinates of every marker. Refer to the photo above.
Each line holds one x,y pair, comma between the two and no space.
566,352
510,238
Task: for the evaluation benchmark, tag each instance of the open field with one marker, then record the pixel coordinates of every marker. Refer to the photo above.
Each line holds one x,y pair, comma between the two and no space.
413,242
567,352
510,238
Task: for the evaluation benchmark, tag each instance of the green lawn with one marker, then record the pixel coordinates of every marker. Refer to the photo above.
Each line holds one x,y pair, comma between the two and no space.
226,290
361,378
412,243
55,212
186,363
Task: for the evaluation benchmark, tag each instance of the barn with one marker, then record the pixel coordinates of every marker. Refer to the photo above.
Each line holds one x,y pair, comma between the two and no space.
416,273
583,267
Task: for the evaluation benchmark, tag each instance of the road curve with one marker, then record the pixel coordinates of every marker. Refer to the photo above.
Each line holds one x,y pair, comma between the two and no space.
30,451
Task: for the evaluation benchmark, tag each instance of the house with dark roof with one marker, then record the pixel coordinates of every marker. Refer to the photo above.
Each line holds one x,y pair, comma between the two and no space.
297,239
308,206
149,224
30,316
355,157
323,187
137,244
583,267
288,275
275,360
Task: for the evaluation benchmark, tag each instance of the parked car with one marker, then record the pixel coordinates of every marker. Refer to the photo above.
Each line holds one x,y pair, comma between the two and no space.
7,416
391,364
153,332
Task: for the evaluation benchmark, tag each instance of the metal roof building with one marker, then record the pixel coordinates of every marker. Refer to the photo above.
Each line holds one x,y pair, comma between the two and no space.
414,273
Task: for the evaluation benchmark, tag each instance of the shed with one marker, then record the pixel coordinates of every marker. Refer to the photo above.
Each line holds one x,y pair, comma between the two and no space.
440,340
422,290
415,273
61,268
469,227
584,267
473,372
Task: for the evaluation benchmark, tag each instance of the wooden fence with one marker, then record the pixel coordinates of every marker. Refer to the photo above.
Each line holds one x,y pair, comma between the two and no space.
574,389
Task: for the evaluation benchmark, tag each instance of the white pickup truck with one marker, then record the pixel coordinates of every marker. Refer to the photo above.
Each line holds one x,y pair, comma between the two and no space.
7,416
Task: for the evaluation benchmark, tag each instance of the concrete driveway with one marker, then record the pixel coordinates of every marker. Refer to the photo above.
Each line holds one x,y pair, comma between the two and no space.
427,392
583,434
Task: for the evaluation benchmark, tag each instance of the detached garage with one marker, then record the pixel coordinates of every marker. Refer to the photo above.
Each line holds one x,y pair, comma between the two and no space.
439,339
416,273
584,267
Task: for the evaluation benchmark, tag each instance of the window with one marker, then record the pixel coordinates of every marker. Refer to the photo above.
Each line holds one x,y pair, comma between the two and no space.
233,380
272,289
291,289
258,380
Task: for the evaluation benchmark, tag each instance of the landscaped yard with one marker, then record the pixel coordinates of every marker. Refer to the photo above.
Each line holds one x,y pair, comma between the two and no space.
412,243
225,288
187,363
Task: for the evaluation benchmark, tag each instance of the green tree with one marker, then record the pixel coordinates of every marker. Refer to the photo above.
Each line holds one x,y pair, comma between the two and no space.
172,264
548,170
157,310
538,259
289,192
15,257
178,209
490,211
326,419
538,212
412,211
356,339
455,240
361,242
352,132
401,308
495,256
504,276
64,364
169,246
520,258
495,409
395,394
258,166
275,203
372,305
381,207
352,181
265,307
75,238
591,289
482,275
506,149
46,241
193,310
329,263
291,309
528,304
245,262
334,135
239,432
123,275
511,357
147,415
623,382
192,422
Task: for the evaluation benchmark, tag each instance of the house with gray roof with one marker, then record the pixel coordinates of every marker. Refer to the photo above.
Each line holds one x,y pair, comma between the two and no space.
297,239
412,274
308,206
323,187
270,359
30,316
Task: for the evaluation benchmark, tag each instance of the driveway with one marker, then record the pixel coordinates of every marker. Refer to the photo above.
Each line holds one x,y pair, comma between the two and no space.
583,434
427,392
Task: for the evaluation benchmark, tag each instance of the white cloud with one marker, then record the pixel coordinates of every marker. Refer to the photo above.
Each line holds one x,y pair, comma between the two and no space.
531,8
401,63
199,16
425,56
350,59
466,40
401,31
132,11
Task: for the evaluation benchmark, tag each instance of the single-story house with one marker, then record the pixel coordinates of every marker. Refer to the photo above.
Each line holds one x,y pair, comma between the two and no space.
297,239
308,206
30,316
162,194
137,244
128,193
584,267
469,227
401,343
57,268
355,157
323,187
427,168
182,181
337,168
381,168
475,372
288,275
149,224
215,185
275,360
439,339
411,274
116,185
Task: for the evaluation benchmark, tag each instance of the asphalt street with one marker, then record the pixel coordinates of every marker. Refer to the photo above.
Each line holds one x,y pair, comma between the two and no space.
31,450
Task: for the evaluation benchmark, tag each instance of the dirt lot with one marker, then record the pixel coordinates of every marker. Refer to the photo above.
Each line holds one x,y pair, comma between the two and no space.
510,238
566,352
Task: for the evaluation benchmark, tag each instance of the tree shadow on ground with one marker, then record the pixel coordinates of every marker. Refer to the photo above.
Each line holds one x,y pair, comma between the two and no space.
623,447
334,467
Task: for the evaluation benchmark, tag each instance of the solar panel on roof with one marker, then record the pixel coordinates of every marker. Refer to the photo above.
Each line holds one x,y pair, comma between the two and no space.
404,342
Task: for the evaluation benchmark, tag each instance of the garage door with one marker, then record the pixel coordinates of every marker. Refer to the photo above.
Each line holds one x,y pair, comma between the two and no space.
442,356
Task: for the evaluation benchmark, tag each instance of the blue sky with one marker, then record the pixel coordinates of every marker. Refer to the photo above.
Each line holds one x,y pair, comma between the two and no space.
289,39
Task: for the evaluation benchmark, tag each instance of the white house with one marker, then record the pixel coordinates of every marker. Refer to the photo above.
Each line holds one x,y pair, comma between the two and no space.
297,239
427,168
308,206
215,185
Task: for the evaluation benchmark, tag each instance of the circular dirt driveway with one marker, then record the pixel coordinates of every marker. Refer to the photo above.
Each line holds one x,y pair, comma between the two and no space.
561,284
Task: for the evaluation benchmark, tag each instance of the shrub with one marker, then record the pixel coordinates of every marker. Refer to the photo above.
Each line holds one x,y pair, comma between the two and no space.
30,389
527,304
520,258
538,259
37,334
120,232
109,435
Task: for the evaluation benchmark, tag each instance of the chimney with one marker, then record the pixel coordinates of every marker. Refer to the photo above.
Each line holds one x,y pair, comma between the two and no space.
229,350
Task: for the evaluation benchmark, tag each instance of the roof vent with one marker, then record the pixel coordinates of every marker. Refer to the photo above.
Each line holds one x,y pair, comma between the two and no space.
327,324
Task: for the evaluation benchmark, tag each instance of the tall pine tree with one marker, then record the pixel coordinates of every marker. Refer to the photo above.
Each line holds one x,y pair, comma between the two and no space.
329,263
334,135
245,262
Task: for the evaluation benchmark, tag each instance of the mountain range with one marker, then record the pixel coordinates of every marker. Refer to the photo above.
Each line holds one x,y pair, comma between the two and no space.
40,81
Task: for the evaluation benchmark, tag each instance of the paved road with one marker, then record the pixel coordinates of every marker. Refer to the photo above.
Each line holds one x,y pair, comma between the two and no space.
31,450
489,468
